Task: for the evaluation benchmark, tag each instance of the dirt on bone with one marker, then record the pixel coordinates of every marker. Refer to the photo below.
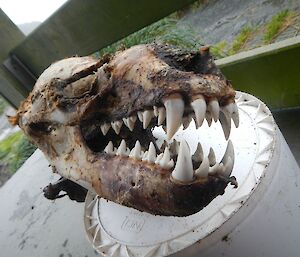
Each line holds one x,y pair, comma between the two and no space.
93,119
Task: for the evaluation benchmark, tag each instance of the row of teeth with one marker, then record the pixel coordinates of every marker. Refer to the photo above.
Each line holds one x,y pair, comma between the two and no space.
173,111
183,170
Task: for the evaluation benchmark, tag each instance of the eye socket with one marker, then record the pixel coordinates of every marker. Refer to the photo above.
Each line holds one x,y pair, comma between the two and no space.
41,127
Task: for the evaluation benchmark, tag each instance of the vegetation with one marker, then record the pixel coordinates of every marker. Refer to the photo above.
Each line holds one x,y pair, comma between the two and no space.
241,39
275,26
15,150
219,50
3,105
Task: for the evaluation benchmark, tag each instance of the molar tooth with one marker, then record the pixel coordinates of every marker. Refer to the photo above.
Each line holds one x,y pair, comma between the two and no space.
147,117
165,162
199,106
235,116
208,118
183,170
174,112
104,128
140,115
116,125
186,121
145,155
122,150
159,158
151,153
136,151
198,155
216,169
214,109
225,123
161,115
202,171
109,148
212,157
155,111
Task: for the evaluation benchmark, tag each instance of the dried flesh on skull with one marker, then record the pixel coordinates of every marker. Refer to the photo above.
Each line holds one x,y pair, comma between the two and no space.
93,119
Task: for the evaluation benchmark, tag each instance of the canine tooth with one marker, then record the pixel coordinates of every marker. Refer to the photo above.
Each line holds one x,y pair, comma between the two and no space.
161,115
105,128
229,152
199,106
212,157
198,155
183,170
208,118
136,151
147,117
235,116
174,112
151,153
140,115
225,123
116,125
202,171
155,111
214,109
228,166
165,161
122,150
186,121
109,148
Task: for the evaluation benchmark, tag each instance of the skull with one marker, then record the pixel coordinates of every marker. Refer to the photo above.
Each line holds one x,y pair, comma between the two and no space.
93,120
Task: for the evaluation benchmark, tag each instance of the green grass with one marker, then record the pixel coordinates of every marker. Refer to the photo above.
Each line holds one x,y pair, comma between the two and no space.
219,50
275,25
15,150
241,39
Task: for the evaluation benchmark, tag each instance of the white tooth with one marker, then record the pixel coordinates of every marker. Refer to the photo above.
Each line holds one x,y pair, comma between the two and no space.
202,171
122,150
163,146
217,168
214,109
228,153
136,151
129,122
151,153
155,111
125,121
161,115
186,121
174,112
159,158
147,117
104,128
225,123
228,108
228,166
183,170
145,155
212,157
165,161
208,118
109,148
199,106
198,155
235,116
140,116
116,125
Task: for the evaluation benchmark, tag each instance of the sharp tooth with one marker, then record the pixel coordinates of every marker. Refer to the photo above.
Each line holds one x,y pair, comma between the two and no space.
208,118
147,117
214,109
159,158
199,106
225,123
116,125
228,153
198,155
151,153
104,128
145,155
216,169
235,116
228,108
122,150
155,111
202,171
228,166
140,116
161,115
136,151
186,121
174,112
183,170
174,147
163,146
129,122
165,161
212,157
109,148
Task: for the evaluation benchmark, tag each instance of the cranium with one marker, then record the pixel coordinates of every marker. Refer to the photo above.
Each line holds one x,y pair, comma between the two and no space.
93,120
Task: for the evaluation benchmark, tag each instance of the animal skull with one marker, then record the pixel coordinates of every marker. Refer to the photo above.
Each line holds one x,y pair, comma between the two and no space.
93,119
